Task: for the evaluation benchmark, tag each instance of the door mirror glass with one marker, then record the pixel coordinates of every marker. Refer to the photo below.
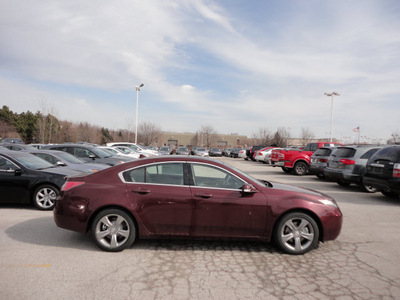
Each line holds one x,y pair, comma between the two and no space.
248,189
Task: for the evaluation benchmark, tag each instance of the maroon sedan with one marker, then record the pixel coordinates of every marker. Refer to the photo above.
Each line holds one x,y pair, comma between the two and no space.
193,197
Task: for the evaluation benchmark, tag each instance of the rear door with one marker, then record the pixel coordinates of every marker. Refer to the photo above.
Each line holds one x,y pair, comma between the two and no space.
14,187
162,198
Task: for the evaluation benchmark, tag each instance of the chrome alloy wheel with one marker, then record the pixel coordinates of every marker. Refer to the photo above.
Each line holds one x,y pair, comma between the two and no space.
112,231
297,235
45,197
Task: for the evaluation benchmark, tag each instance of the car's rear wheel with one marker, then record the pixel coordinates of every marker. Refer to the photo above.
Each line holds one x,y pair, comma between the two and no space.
45,197
368,188
113,230
297,233
300,168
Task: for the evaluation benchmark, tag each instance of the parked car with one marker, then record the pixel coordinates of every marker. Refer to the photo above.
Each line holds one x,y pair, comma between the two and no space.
243,154
319,160
215,152
200,151
182,151
11,140
383,171
226,151
165,150
136,147
235,152
64,159
263,155
347,165
122,151
90,153
254,149
193,197
27,179
18,147
297,160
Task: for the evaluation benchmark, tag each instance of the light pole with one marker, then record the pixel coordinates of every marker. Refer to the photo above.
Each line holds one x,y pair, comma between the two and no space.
331,95
137,108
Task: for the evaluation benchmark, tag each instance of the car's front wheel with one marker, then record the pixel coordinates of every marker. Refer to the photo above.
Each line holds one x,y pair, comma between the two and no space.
113,230
297,233
44,197
368,188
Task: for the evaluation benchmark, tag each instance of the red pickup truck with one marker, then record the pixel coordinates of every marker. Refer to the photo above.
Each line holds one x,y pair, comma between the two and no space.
297,161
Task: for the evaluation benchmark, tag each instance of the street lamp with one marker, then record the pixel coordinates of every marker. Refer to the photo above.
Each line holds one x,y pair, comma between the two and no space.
331,95
137,108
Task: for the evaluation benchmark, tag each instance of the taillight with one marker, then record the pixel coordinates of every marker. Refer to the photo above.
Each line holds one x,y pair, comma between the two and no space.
322,159
396,170
70,184
260,153
347,161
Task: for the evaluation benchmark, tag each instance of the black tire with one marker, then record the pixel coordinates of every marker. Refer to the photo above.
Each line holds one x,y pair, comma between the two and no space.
113,230
44,197
300,168
389,193
296,233
287,170
368,188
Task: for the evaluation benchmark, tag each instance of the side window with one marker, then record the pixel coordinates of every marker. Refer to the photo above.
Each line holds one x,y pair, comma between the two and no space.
368,154
81,152
169,173
49,158
209,176
5,165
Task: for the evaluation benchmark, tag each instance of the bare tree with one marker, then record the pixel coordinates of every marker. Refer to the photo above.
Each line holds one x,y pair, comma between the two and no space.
281,137
207,136
263,137
306,135
148,133
6,128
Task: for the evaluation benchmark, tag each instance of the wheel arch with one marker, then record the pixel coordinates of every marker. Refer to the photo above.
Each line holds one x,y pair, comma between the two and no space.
100,209
305,211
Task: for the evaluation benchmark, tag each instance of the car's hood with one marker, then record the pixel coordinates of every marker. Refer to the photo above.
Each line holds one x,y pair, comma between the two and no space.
296,189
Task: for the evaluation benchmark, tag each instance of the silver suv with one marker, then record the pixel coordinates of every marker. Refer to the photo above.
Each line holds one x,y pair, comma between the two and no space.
347,165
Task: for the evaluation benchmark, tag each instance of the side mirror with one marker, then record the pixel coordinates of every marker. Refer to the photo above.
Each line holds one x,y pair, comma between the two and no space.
60,164
92,156
248,189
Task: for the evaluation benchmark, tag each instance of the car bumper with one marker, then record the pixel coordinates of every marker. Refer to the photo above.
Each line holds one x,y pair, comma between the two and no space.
339,175
383,184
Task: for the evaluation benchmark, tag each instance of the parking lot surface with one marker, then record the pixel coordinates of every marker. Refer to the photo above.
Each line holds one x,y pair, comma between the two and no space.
40,261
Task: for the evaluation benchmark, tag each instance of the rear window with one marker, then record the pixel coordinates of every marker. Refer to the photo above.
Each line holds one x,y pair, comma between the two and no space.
323,152
388,153
345,152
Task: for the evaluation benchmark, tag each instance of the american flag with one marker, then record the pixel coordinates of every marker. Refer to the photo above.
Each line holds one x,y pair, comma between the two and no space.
357,129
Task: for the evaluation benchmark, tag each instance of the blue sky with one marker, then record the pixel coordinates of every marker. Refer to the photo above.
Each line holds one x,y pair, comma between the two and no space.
236,65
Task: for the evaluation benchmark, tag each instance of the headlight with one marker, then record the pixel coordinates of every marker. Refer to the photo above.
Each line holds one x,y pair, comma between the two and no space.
328,202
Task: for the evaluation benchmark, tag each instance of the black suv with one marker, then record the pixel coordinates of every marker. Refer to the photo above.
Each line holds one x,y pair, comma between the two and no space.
383,171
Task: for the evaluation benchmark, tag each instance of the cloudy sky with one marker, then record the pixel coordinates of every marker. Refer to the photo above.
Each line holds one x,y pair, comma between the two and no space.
237,65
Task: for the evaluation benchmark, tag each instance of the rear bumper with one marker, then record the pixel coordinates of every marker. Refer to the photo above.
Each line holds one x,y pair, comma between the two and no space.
383,184
341,175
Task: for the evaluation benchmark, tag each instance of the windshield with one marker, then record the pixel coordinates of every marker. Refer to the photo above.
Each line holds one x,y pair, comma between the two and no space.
201,149
70,158
183,149
101,152
33,162
164,148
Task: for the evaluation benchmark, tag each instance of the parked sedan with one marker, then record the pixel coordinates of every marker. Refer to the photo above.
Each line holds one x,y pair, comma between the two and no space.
25,178
383,171
182,151
215,152
64,159
200,151
165,150
347,165
193,197
90,153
